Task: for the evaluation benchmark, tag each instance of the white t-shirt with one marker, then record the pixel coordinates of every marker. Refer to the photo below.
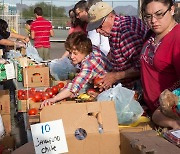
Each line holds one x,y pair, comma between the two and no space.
100,41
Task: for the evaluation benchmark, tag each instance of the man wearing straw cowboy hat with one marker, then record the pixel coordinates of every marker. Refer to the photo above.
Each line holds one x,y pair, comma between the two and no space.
126,35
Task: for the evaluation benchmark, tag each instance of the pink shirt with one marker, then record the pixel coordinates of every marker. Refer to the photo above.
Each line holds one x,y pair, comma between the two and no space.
160,67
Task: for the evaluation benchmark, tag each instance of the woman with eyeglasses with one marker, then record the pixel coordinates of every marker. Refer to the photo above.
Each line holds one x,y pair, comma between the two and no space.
160,57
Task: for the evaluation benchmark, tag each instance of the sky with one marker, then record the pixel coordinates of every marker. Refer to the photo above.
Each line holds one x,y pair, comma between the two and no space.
114,3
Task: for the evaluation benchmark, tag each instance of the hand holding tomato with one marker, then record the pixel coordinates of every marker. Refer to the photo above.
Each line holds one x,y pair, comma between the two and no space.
107,81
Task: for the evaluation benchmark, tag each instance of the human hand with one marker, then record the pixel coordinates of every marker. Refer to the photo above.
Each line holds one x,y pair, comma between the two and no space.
26,40
2,61
107,81
47,102
19,44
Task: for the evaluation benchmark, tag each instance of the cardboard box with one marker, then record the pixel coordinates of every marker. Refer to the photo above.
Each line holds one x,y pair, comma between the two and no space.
146,142
4,102
34,76
27,148
8,144
32,119
36,105
141,127
22,105
80,115
7,123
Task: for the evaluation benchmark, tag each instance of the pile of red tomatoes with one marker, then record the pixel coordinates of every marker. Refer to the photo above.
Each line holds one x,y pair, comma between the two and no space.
39,95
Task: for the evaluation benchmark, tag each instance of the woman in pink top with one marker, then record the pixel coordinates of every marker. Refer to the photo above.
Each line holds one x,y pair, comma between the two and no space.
76,24
160,57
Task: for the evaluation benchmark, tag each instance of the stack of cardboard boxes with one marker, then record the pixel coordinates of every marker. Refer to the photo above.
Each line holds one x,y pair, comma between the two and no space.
7,142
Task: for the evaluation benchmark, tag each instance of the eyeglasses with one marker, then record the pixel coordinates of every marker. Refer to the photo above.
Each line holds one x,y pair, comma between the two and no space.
77,14
156,15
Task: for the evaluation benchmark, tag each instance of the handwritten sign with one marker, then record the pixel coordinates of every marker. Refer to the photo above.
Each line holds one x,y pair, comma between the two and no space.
49,137
10,72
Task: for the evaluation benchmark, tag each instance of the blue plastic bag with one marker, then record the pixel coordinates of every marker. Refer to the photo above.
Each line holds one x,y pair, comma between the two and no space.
128,110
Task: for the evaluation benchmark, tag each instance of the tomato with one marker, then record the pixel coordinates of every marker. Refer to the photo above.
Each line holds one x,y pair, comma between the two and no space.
55,89
32,90
91,90
136,95
37,97
60,85
33,111
50,92
97,80
45,96
25,95
20,92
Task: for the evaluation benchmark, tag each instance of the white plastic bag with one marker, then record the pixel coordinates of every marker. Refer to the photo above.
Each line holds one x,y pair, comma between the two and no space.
2,131
32,53
61,68
128,110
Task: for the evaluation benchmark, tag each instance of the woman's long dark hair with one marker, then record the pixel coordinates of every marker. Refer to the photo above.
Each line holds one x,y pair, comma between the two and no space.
3,29
75,21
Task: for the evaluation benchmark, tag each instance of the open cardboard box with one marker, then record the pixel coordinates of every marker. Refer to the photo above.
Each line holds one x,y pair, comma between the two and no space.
36,76
146,142
79,115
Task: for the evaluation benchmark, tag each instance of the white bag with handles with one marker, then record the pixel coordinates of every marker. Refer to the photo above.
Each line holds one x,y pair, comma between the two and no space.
32,53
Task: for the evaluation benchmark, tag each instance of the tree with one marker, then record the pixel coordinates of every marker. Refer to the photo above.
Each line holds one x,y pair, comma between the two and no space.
56,11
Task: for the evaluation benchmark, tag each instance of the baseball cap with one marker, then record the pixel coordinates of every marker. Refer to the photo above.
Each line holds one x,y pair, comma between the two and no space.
97,13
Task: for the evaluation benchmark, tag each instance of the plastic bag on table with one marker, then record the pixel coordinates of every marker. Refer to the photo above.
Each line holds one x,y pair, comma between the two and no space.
32,53
13,54
128,110
61,68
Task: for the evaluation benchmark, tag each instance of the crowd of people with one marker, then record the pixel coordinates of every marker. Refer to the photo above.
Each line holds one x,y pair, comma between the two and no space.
141,54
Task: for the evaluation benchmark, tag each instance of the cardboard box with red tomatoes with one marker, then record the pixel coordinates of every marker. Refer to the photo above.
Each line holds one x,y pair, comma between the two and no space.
36,76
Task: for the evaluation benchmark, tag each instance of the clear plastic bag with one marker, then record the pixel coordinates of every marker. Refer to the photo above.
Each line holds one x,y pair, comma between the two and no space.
61,68
32,53
128,110
13,54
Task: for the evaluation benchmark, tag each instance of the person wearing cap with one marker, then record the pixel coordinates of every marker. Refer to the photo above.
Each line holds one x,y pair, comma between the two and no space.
126,36
81,10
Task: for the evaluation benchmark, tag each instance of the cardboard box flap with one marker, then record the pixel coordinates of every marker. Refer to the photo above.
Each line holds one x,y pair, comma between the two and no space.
27,148
77,116
4,102
146,142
